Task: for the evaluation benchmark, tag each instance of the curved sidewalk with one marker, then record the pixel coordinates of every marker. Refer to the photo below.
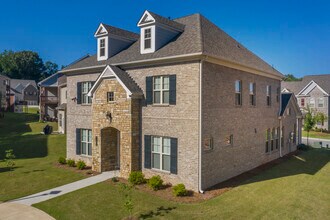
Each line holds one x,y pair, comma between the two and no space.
13,211
61,190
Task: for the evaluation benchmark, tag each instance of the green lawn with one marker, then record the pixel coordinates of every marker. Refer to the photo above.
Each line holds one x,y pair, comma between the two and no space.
314,134
296,189
36,156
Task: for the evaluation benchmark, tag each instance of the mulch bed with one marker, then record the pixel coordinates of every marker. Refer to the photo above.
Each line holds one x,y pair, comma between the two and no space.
87,171
219,189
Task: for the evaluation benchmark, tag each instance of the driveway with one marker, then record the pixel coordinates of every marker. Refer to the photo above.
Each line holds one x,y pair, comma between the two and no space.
14,211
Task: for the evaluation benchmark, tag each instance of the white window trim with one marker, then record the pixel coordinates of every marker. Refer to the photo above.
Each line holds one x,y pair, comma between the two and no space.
105,57
239,92
312,106
87,142
153,34
318,102
160,154
252,93
161,90
89,100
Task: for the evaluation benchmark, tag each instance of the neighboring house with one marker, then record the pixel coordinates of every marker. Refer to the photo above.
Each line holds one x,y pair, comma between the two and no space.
49,97
182,100
6,100
312,91
25,91
62,94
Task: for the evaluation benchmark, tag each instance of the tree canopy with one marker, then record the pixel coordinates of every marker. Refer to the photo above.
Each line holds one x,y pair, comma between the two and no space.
25,65
291,78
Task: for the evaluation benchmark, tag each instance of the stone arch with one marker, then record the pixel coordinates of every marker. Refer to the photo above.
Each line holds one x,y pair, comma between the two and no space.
110,149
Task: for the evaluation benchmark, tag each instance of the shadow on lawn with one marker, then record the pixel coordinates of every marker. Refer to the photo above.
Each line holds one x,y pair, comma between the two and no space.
160,211
30,146
296,163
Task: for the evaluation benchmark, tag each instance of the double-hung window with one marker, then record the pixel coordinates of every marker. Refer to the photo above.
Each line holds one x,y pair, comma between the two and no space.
302,102
312,102
269,95
320,103
160,153
85,87
272,139
161,89
102,47
278,93
282,137
147,38
267,140
86,142
277,131
238,92
252,90
111,96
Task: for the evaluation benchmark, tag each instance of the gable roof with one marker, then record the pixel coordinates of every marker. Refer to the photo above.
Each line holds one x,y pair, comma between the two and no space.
285,100
200,37
21,84
297,86
123,78
161,20
50,81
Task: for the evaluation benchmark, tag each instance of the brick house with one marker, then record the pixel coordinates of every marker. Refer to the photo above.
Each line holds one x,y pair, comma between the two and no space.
312,91
182,100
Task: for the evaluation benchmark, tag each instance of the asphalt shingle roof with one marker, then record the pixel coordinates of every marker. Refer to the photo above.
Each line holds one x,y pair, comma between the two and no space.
199,36
322,80
121,32
20,84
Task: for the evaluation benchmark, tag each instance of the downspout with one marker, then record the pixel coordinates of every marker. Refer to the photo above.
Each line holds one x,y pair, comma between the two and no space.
281,134
200,189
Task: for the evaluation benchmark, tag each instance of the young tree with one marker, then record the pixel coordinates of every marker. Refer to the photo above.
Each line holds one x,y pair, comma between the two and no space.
309,122
320,117
126,190
290,78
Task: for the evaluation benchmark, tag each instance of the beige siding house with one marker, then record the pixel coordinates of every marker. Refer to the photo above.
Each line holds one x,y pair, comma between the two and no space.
182,99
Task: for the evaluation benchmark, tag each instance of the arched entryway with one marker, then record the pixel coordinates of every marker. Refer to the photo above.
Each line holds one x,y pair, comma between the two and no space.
110,149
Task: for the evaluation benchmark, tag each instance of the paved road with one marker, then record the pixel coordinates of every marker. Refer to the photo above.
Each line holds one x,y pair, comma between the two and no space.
61,190
315,142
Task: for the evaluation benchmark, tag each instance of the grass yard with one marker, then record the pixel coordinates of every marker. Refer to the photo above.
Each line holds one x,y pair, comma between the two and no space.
298,188
314,134
36,156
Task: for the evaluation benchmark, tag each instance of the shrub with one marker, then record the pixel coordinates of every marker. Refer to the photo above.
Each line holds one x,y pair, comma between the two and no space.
155,182
71,162
114,179
62,160
81,165
136,178
303,147
180,190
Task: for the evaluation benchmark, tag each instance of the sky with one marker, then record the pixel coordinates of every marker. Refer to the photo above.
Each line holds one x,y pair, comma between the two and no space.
293,36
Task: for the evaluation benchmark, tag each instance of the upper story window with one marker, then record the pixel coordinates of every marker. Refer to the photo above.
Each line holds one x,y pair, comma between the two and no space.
85,87
102,47
147,38
320,103
288,111
302,102
312,102
252,91
269,95
238,92
161,90
111,96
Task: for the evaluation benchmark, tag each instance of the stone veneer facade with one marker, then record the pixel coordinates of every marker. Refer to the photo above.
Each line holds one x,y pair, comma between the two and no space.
125,114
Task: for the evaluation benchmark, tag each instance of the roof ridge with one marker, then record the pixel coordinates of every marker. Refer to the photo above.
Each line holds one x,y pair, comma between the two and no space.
186,16
111,26
201,32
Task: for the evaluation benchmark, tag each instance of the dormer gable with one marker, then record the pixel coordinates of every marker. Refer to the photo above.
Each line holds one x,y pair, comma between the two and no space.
156,31
112,40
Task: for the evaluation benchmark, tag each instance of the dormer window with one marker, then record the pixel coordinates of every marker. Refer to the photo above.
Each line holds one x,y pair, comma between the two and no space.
102,47
147,38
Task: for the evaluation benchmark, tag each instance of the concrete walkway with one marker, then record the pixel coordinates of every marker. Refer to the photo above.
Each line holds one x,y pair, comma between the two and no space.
61,190
315,142
13,211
